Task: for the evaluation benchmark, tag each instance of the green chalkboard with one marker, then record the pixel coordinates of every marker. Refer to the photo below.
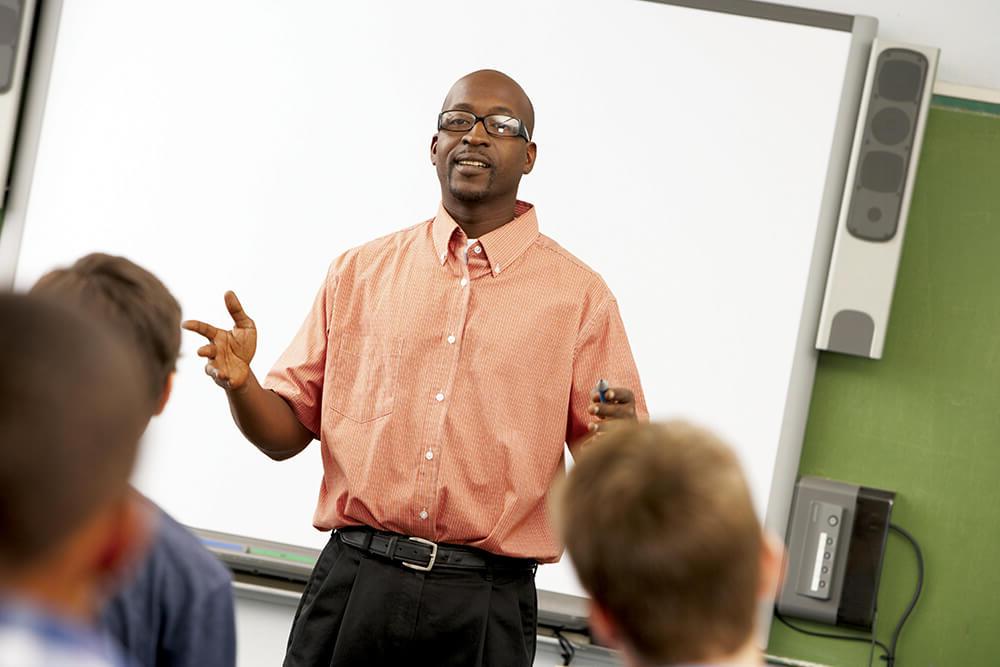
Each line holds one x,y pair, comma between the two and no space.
925,420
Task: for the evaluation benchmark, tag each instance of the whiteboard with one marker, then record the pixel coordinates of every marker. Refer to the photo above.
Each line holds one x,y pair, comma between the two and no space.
231,144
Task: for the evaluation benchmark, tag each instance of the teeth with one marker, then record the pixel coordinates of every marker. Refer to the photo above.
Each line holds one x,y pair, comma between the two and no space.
473,163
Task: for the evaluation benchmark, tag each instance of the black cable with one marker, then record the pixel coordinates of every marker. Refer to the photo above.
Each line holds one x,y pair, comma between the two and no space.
890,650
891,659
566,649
830,635
871,650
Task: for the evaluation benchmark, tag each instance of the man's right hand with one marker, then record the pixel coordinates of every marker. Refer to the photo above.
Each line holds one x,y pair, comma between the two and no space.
228,352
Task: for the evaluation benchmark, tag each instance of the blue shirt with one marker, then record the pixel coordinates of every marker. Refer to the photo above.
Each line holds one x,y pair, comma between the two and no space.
30,637
178,610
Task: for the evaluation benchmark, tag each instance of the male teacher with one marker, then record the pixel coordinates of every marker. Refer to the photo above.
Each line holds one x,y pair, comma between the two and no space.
441,368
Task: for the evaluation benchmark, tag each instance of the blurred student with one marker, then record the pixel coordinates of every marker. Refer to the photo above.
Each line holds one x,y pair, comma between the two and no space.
69,522
177,608
660,526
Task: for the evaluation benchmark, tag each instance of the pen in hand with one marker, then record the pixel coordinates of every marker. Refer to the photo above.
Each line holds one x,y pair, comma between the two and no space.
601,388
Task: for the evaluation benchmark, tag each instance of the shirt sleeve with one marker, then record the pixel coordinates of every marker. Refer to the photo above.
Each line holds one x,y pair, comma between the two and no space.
297,376
602,351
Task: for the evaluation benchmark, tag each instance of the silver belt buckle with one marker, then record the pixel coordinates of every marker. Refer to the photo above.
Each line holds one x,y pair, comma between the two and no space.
430,563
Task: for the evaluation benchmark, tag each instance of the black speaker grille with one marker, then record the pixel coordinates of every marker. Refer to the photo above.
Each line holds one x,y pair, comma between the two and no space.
900,81
882,172
888,133
891,125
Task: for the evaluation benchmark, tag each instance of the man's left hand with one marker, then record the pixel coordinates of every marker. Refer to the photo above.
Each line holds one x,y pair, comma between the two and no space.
619,406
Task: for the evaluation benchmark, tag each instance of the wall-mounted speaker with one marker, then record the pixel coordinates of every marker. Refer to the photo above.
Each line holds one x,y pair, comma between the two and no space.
876,199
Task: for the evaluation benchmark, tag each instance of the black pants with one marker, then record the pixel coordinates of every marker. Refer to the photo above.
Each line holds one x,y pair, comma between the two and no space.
359,609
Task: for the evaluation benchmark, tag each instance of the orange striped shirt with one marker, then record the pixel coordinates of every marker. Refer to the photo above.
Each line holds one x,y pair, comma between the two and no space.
442,389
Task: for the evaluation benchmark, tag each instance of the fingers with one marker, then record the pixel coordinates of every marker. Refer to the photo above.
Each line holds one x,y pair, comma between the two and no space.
199,327
240,318
600,428
612,410
618,406
208,351
618,395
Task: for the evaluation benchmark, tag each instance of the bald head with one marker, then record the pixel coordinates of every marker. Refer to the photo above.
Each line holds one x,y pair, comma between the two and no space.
505,90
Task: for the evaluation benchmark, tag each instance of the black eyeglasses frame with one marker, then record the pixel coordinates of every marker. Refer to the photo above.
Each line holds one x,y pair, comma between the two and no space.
521,132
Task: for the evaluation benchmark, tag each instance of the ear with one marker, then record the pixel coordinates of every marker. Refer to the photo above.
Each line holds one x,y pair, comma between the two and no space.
434,152
529,158
603,626
772,565
129,533
167,388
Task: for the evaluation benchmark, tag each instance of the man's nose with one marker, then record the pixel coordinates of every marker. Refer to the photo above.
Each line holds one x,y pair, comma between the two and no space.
477,134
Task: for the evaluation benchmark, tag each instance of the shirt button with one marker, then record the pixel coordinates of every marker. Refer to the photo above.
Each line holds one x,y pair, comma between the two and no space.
451,340
423,515
463,282
496,269
439,397
429,455
443,256
477,250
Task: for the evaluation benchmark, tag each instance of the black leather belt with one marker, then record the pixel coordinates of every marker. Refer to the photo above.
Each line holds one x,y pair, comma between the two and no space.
423,555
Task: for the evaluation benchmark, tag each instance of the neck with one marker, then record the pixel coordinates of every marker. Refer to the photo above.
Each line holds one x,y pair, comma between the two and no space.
748,655
479,218
66,597
69,580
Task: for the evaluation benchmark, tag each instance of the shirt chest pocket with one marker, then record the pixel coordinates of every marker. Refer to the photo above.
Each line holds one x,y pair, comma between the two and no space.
363,385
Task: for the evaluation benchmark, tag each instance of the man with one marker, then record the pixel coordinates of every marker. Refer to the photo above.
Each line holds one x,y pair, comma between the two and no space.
442,368
177,608
659,523
69,523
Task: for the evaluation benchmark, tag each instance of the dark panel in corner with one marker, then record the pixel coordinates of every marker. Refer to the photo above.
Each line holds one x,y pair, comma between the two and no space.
771,12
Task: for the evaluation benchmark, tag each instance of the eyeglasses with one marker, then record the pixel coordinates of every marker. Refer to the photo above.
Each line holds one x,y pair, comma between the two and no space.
498,125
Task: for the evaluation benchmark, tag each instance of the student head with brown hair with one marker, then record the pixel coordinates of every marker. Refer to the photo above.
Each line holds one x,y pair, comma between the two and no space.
134,303
660,525
178,601
70,423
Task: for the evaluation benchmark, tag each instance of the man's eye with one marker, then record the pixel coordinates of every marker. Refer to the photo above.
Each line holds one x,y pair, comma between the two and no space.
456,123
504,126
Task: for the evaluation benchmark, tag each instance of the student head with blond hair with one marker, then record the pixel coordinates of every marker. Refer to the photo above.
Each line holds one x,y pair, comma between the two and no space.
660,525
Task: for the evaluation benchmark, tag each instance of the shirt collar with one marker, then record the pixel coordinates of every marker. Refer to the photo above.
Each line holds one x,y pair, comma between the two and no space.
502,246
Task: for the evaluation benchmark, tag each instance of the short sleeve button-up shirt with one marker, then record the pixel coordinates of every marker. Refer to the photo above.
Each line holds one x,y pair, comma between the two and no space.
443,379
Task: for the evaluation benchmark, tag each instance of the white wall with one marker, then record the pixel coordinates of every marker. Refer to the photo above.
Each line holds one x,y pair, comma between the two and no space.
964,30
261,631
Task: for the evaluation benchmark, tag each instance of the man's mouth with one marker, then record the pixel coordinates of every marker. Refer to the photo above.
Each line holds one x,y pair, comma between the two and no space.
473,162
